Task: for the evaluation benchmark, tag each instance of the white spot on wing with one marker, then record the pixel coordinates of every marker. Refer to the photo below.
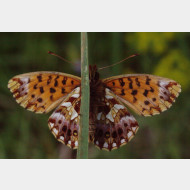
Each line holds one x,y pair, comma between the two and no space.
109,97
74,114
55,131
77,90
105,145
122,141
109,116
114,110
51,124
99,116
56,115
114,145
69,142
107,91
75,95
62,116
128,119
119,106
134,129
76,143
130,133
163,90
66,104
163,83
25,80
62,138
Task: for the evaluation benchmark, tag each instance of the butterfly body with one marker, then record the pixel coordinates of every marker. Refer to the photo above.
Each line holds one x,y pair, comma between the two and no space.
111,124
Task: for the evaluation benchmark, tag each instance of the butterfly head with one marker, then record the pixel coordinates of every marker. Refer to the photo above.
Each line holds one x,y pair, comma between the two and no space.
93,74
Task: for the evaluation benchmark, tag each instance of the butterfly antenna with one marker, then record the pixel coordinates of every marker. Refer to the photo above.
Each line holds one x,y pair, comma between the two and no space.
51,53
118,62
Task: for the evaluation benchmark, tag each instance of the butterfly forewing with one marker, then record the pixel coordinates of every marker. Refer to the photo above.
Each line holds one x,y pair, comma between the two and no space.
145,94
42,91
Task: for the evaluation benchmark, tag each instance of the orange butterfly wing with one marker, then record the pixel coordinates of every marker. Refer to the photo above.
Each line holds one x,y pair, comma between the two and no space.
145,94
42,91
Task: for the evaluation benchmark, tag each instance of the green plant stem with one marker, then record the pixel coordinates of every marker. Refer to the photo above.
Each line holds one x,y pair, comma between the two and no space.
85,99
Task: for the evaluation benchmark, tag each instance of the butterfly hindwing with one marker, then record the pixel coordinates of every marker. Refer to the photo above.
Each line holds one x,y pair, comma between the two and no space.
145,94
42,91
64,122
113,125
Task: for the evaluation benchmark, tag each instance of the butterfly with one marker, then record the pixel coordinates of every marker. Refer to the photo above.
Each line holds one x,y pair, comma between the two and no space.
111,123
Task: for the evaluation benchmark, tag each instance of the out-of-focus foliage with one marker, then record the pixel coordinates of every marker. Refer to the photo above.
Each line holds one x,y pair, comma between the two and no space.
24,134
175,65
150,42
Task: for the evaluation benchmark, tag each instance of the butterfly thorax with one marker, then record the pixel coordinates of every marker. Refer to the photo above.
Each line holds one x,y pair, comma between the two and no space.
96,85
97,89
93,75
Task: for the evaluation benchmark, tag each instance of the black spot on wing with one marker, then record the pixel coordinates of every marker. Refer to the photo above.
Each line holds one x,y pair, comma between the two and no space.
121,82
41,90
39,100
131,85
137,82
122,92
145,93
35,86
64,80
62,90
55,83
151,89
146,102
52,90
39,77
148,80
134,92
49,80
153,99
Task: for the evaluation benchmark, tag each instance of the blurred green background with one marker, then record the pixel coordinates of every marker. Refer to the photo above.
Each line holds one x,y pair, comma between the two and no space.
24,134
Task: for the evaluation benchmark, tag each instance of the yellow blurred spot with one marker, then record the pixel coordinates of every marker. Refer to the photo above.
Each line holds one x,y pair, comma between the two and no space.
175,66
155,42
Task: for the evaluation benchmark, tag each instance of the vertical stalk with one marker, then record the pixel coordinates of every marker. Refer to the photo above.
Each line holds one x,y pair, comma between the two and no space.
85,99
